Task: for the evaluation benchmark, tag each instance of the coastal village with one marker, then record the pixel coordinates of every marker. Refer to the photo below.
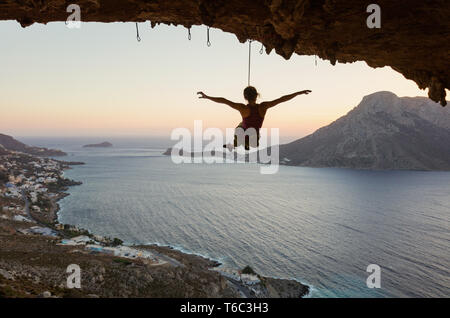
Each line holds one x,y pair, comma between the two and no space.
28,194
34,246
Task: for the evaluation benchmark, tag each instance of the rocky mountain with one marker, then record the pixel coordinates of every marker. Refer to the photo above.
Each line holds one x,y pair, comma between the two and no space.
11,144
382,132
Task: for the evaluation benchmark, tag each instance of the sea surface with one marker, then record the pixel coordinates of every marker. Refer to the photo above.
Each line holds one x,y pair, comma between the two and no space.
322,227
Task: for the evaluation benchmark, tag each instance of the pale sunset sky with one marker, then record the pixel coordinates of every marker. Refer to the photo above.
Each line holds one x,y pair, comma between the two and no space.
99,81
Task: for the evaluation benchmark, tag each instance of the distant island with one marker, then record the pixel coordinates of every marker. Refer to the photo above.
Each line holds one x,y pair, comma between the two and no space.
8,143
104,144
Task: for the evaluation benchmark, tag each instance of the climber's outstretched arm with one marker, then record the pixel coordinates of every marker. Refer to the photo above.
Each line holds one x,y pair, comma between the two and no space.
284,99
221,100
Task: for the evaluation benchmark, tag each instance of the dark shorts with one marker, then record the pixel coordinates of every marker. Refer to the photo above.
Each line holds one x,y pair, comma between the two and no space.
247,137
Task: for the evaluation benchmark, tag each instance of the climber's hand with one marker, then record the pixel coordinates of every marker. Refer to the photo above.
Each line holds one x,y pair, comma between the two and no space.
202,95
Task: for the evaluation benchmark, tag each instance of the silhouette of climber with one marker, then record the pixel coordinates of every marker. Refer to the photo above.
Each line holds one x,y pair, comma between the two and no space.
252,114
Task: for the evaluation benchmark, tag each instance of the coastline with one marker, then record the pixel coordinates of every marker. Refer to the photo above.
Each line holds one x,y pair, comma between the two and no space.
59,193
181,254
184,274
219,263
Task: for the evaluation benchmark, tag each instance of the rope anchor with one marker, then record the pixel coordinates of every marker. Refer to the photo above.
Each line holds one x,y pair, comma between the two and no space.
137,33
261,51
208,42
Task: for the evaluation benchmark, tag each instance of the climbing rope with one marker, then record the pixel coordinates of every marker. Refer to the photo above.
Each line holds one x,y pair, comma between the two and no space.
208,42
137,33
249,59
315,57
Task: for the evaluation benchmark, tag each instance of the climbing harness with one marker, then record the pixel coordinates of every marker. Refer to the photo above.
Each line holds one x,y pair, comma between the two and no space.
137,33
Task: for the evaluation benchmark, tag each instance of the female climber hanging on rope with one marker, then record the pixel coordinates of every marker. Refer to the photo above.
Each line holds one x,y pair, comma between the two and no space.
252,114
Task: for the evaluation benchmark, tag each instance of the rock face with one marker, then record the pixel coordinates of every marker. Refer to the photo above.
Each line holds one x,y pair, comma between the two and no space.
9,143
283,288
382,132
104,144
413,38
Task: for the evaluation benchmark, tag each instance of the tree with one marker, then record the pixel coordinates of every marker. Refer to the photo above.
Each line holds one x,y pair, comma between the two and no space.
116,242
248,270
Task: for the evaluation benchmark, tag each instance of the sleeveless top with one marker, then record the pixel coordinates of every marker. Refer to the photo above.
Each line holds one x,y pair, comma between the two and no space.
254,120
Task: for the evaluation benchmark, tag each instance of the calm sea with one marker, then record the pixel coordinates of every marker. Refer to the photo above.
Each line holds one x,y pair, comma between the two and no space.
322,227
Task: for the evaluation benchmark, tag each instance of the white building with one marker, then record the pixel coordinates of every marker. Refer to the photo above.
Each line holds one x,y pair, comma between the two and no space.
250,279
